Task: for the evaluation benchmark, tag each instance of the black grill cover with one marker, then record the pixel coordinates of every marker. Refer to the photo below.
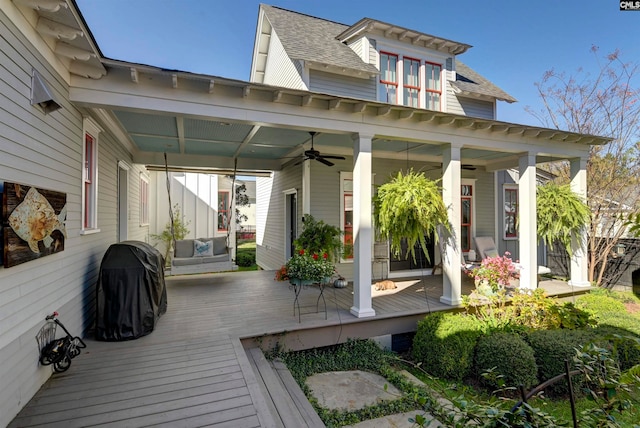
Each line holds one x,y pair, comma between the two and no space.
131,293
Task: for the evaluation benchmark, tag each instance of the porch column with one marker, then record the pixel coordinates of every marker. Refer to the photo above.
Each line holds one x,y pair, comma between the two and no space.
362,230
452,245
579,260
528,223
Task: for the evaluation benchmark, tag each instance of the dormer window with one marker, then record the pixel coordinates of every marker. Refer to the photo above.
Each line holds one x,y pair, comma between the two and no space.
433,85
411,84
388,78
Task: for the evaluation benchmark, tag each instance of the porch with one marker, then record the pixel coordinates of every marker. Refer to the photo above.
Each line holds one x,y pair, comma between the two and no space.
193,370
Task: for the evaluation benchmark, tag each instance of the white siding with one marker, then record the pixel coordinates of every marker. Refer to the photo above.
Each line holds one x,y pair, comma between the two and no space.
280,70
270,215
358,47
46,151
335,84
477,108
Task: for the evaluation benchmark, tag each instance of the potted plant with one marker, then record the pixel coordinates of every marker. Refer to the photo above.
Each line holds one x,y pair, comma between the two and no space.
306,268
410,207
494,274
318,237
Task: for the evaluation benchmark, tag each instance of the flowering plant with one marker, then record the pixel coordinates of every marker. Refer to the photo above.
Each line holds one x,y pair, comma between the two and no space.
495,271
305,266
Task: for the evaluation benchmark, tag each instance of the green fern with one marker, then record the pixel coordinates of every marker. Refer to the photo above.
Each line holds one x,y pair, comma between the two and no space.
560,213
410,207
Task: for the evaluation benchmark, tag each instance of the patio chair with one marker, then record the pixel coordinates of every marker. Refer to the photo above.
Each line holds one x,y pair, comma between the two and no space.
487,248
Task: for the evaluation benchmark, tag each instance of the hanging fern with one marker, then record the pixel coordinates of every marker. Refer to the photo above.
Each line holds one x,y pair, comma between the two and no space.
560,213
410,207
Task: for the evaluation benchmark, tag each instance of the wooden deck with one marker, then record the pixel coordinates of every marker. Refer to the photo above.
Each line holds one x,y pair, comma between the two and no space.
193,369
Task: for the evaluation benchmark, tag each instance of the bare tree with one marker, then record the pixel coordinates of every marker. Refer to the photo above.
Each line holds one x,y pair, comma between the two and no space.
606,103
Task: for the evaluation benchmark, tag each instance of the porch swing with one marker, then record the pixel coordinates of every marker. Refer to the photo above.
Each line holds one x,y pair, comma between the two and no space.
200,255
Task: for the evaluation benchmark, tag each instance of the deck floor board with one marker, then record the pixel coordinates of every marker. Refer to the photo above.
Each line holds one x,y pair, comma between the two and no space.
191,370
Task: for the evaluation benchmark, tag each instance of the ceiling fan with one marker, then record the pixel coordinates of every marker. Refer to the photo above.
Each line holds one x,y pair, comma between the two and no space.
315,155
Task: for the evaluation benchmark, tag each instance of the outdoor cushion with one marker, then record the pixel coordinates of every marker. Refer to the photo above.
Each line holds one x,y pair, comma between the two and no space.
202,249
184,248
219,245
491,252
215,259
187,261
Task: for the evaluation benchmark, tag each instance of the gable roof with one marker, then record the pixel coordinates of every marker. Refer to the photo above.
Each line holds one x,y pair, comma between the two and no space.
468,82
314,40
318,41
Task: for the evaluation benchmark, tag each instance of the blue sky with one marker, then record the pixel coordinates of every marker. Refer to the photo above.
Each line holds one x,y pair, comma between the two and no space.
514,42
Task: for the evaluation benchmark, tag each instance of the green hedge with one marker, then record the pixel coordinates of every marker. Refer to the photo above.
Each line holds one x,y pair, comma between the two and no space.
551,348
623,343
444,344
508,355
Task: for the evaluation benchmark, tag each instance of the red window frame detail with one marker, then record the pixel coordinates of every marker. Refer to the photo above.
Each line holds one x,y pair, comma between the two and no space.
411,88
428,78
348,228
513,233
388,82
223,211
89,168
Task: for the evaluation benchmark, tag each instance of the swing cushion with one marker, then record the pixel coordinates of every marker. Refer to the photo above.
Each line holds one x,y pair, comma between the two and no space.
202,248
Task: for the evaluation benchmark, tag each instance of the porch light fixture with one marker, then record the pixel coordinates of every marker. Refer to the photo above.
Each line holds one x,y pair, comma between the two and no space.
41,95
619,250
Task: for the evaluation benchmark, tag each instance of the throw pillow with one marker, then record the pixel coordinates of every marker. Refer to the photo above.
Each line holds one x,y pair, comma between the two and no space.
202,249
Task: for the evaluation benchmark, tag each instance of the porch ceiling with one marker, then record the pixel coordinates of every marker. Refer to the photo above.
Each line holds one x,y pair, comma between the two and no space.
214,123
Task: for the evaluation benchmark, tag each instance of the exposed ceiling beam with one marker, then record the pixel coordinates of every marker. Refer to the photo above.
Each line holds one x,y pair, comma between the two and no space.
73,52
57,30
51,6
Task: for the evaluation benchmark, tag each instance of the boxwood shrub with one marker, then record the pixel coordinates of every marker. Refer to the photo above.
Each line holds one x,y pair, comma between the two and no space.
444,344
551,348
509,355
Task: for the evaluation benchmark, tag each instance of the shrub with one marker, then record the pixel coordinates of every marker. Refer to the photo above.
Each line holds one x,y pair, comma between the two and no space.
623,344
599,303
444,344
511,357
246,258
551,348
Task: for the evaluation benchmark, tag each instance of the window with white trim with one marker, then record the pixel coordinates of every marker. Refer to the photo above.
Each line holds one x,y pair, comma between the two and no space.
223,211
466,214
388,78
90,176
411,82
510,195
346,222
433,85
144,199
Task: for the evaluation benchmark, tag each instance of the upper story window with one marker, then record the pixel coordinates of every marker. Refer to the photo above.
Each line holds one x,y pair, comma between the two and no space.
433,85
411,82
90,176
388,78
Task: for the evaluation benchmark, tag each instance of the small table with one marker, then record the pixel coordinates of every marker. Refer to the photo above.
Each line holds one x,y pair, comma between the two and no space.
298,285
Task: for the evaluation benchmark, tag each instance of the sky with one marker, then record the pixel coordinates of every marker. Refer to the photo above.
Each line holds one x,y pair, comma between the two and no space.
514,42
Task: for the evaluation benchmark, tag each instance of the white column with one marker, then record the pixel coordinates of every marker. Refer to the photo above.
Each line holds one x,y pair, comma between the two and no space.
527,223
362,226
579,260
452,249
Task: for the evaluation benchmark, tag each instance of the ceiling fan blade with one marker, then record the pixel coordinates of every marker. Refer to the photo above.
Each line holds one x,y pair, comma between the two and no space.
333,157
324,161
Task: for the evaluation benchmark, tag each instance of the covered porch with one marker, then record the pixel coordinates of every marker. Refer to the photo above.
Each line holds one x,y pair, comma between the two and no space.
194,369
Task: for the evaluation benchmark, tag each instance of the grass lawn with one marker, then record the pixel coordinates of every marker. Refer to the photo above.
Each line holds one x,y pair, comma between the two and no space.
246,256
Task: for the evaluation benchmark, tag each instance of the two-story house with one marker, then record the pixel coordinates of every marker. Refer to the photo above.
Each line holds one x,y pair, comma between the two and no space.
376,61
380,96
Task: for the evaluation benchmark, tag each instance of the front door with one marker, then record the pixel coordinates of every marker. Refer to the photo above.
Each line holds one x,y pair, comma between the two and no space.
291,223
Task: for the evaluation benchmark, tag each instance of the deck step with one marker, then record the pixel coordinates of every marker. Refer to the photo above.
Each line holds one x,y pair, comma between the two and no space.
284,397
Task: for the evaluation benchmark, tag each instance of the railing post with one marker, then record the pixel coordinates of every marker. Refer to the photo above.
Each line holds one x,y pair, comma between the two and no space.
571,397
